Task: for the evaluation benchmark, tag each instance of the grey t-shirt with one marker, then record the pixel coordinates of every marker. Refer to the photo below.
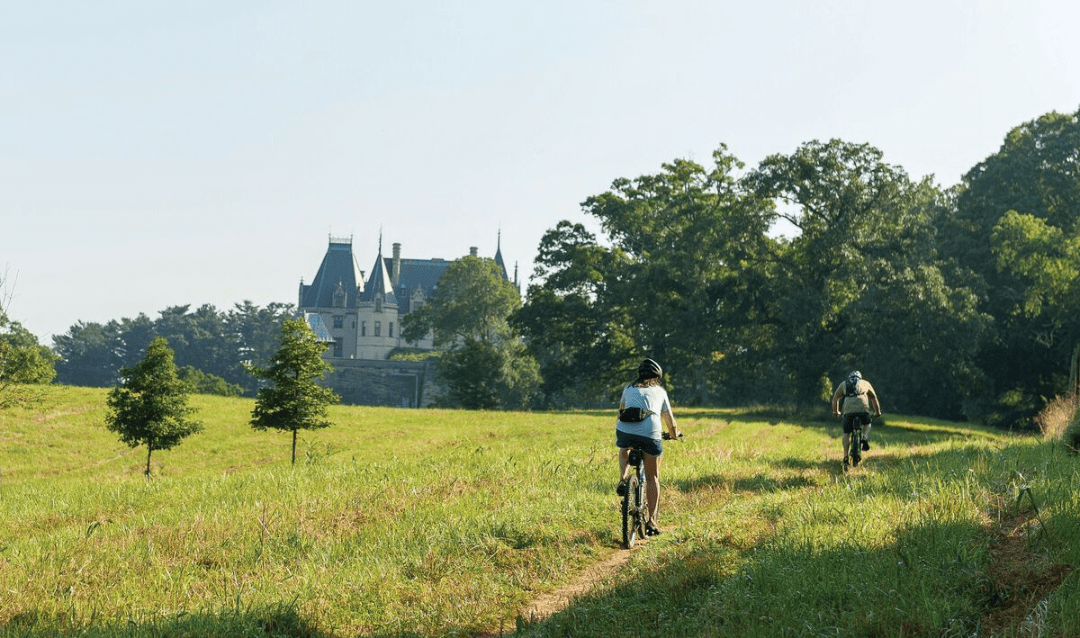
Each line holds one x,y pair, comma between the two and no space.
653,398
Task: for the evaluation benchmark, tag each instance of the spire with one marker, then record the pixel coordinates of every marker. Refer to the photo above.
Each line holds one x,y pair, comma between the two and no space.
379,288
499,257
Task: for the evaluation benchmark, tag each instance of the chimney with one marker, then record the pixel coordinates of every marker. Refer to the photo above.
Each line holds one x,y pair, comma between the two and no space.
473,251
395,268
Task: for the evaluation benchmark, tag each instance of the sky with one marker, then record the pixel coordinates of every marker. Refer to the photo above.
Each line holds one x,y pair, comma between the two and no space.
168,153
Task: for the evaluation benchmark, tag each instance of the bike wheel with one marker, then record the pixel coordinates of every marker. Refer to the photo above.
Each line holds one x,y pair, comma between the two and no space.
629,515
856,446
642,507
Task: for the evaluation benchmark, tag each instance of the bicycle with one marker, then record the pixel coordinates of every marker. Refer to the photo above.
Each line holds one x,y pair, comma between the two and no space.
854,449
635,508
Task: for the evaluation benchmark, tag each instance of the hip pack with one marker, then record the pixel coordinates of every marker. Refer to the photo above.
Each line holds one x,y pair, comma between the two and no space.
634,415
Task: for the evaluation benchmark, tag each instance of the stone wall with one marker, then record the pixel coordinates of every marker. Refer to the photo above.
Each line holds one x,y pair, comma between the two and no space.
403,384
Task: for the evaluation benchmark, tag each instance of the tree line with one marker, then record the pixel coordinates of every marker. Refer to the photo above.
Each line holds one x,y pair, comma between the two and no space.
959,302
211,347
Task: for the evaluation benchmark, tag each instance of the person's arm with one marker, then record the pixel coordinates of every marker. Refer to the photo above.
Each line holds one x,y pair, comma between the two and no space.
669,422
875,407
837,395
622,406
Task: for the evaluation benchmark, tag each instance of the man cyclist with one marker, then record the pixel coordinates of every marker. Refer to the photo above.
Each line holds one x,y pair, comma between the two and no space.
855,400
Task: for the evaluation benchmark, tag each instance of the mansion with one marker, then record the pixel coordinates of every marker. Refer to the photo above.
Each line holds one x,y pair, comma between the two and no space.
361,316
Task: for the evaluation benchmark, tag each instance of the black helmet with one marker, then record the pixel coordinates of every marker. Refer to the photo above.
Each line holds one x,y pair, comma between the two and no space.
650,368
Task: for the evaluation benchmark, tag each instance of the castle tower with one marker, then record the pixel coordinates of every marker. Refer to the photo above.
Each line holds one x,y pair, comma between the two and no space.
377,314
332,298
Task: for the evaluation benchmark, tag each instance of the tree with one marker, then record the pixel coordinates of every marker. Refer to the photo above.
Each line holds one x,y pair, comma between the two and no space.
580,341
862,284
215,343
693,238
150,406
89,355
483,364
23,362
1035,173
294,400
679,281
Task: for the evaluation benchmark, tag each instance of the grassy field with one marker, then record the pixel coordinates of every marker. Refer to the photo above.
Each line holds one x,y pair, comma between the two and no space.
448,523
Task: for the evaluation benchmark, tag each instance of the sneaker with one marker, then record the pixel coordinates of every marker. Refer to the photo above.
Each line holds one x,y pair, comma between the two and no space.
652,530
855,461
621,489
865,445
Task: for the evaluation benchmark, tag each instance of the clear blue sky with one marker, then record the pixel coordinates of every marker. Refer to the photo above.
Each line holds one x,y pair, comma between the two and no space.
163,153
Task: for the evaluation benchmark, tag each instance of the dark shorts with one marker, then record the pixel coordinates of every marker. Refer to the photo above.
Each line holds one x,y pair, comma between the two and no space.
849,421
655,447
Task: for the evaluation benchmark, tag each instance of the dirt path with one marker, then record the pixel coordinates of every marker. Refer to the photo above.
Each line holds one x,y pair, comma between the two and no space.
1019,580
554,602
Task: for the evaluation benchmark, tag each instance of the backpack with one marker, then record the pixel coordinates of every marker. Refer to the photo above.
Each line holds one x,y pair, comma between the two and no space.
851,387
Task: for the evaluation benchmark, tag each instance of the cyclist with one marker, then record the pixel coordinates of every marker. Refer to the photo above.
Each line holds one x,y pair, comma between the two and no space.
855,399
644,425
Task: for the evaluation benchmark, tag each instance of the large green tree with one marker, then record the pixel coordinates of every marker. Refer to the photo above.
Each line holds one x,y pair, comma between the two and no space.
293,400
677,277
150,407
581,341
482,364
1036,174
860,284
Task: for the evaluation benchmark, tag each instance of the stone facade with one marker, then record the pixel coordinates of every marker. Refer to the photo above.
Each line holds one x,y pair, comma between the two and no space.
406,384
360,318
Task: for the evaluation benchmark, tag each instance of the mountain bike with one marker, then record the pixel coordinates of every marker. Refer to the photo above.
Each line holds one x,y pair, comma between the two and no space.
635,508
853,454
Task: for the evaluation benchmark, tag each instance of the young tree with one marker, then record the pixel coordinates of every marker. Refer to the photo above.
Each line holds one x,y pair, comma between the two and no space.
294,400
150,406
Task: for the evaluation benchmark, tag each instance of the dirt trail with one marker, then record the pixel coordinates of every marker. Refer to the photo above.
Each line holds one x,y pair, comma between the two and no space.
554,602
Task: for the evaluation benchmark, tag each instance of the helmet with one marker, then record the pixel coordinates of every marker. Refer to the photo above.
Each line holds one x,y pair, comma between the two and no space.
650,368
854,374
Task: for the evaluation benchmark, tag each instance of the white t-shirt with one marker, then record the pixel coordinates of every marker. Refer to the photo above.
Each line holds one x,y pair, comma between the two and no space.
652,398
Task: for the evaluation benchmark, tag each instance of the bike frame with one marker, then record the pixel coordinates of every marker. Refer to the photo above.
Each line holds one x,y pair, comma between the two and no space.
854,449
635,510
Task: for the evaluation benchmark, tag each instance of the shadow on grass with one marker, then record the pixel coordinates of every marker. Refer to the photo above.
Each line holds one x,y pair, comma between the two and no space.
934,575
275,621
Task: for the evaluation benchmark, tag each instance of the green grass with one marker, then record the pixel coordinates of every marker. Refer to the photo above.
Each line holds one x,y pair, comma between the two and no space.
434,523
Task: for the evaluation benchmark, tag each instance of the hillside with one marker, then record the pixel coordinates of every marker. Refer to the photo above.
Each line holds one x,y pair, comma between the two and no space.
432,523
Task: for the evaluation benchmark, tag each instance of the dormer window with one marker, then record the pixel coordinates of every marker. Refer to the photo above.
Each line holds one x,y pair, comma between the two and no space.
339,296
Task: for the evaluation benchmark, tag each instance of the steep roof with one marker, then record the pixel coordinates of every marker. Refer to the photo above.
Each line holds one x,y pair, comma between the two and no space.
499,261
378,284
315,322
419,273
338,268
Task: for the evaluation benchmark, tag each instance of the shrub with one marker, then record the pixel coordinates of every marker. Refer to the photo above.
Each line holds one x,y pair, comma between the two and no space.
1058,417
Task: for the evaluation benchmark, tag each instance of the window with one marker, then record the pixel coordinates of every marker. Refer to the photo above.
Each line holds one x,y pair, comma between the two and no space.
363,328
378,328
391,333
338,349
339,322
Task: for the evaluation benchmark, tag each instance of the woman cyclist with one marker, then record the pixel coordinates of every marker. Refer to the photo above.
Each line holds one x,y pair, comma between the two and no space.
644,426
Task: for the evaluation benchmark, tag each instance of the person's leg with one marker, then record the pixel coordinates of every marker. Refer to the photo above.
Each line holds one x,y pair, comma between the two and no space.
866,431
652,485
624,458
847,441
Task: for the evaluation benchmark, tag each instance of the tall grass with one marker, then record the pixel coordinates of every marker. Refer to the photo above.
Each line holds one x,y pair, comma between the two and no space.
435,523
